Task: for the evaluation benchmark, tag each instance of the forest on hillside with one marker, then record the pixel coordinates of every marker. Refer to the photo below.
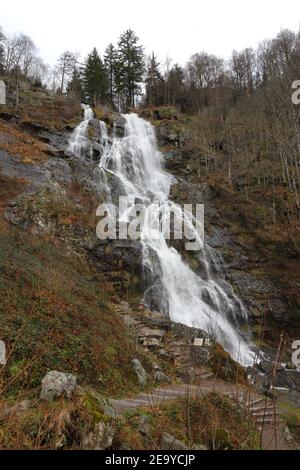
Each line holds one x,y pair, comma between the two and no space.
243,104
118,344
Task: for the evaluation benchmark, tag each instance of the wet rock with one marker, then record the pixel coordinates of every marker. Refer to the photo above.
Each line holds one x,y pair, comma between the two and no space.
94,130
140,372
100,438
169,442
97,141
285,381
55,384
119,126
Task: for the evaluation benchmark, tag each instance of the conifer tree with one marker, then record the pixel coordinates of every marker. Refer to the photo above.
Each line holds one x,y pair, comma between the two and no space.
153,81
94,79
111,66
75,86
130,66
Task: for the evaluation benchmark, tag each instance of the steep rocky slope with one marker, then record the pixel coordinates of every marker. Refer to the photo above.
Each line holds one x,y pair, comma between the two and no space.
71,303
259,259
262,258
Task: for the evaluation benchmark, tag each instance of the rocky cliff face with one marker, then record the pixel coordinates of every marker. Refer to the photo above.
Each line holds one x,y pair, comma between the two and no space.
249,249
80,296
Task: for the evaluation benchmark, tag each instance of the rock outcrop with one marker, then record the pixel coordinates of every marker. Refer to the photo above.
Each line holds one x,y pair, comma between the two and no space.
140,372
56,384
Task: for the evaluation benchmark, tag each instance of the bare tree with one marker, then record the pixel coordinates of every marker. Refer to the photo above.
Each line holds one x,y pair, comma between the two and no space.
65,67
20,52
2,50
243,66
166,67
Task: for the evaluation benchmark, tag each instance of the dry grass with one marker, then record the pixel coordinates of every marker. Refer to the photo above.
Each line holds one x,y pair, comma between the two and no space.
17,142
212,421
55,314
53,113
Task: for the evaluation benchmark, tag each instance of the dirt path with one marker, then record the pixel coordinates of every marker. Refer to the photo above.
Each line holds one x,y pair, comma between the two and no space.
263,411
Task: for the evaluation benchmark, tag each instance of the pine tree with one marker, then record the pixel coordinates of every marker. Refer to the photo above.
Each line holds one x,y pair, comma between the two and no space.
176,84
111,66
75,86
153,81
94,79
130,66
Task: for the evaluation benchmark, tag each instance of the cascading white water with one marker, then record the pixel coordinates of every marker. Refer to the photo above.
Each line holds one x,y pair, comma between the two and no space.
79,139
206,302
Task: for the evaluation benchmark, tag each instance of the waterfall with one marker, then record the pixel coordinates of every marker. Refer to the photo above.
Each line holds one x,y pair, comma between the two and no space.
206,302
79,139
203,301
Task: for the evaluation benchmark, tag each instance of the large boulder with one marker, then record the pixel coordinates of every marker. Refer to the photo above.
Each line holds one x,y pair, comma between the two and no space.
119,126
55,384
140,371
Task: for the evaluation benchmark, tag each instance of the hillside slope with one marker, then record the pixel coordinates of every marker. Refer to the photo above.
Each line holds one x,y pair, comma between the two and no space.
71,304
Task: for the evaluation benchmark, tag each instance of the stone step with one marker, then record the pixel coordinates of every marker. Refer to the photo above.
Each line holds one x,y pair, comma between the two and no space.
206,376
258,400
238,398
263,413
268,420
261,408
260,427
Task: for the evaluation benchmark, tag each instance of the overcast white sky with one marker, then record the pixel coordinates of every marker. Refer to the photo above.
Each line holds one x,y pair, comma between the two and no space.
178,28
